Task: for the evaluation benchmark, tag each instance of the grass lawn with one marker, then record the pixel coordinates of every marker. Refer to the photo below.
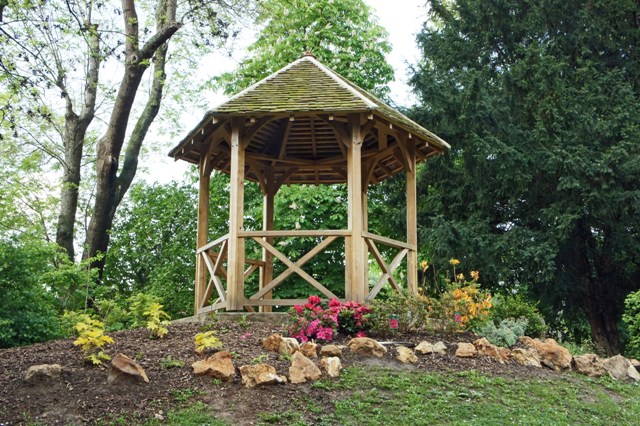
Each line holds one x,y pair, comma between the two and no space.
390,397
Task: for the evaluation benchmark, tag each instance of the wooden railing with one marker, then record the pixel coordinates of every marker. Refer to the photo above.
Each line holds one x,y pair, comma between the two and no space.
214,255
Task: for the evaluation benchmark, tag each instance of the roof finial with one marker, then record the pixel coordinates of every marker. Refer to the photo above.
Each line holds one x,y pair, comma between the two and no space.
308,53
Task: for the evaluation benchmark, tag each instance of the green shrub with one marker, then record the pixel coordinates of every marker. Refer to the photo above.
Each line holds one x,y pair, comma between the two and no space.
140,303
506,333
410,312
27,305
114,316
505,307
631,318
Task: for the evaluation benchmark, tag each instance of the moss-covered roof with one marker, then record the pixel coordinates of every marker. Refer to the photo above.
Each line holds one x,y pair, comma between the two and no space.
294,118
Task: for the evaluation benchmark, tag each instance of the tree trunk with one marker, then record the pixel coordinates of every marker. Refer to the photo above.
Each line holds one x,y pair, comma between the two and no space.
73,140
75,130
110,188
603,319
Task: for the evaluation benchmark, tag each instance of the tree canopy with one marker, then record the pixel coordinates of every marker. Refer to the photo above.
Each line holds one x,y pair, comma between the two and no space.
344,35
541,101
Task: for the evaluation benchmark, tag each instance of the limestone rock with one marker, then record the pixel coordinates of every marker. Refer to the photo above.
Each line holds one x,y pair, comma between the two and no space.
527,357
589,365
486,348
272,343
332,366
466,350
620,368
219,365
406,355
289,345
426,348
330,351
260,374
43,373
124,370
303,369
551,354
635,363
366,346
309,349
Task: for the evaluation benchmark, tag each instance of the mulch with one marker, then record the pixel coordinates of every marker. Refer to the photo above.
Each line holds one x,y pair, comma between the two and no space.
82,396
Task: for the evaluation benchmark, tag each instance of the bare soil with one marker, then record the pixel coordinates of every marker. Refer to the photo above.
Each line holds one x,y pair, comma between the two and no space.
82,396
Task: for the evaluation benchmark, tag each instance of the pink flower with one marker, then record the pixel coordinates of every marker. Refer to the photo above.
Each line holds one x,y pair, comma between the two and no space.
393,323
325,333
334,303
245,335
457,317
361,334
298,309
314,300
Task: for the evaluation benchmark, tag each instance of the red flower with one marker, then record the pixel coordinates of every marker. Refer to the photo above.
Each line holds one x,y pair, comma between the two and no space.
314,300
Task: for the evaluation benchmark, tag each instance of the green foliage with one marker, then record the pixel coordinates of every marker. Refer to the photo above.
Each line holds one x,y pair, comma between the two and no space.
410,312
631,319
170,362
157,319
152,246
112,313
517,307
540,186
344,35
91,339
27,307
139,306
506,333
207,340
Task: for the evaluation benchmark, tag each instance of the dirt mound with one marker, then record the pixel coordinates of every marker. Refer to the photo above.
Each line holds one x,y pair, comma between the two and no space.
82,395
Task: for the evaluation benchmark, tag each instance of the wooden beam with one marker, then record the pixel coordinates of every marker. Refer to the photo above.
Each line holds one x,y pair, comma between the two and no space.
235,267
412,222
354,245
202,234
250,132
387,270
284,259
299,263
389,241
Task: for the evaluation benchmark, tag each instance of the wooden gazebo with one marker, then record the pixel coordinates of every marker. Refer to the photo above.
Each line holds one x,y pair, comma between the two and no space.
304,124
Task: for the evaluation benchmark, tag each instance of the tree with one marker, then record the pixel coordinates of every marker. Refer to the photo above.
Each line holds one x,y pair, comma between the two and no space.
344,35
540,102
58,48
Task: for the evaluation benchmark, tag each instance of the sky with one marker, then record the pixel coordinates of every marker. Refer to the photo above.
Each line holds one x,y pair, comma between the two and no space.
402,19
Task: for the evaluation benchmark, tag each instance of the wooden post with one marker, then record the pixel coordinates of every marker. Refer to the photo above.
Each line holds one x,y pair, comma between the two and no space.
202,233
235,268
266,273
355,254
412,221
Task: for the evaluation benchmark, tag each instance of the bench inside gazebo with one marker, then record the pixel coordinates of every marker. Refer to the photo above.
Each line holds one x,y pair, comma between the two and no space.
304,124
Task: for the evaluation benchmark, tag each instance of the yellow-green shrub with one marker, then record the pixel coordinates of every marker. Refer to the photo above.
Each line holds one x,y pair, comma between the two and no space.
207,340
156,320
91,339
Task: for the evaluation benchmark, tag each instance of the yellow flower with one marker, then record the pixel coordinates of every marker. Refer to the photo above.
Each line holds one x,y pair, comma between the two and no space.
454,262
475,275
460,277
424,265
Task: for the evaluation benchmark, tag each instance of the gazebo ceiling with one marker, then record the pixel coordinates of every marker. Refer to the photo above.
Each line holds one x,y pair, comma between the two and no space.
294,126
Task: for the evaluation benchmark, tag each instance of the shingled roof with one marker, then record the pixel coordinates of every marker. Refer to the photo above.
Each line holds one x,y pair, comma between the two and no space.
307,92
